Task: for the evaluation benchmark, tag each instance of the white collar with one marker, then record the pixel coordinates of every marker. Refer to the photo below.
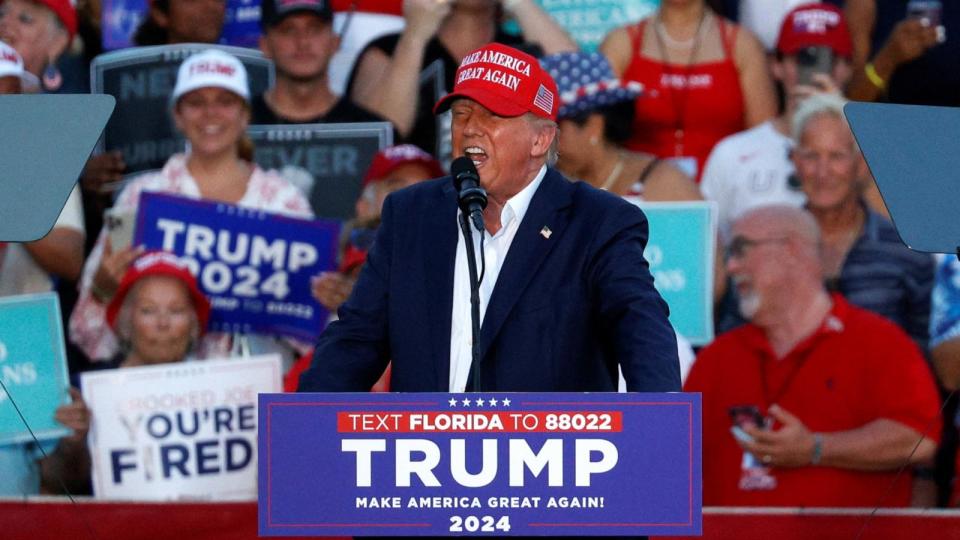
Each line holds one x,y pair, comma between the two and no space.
516,206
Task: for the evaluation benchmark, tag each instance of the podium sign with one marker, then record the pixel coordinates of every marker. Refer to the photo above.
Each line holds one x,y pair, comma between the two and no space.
555,464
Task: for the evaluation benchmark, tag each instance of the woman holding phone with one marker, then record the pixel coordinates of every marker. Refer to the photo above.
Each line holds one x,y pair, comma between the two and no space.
211,108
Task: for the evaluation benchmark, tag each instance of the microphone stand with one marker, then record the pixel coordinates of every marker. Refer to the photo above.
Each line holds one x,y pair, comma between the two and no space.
474,301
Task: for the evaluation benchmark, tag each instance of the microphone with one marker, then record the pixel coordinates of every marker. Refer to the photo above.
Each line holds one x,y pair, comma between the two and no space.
472,198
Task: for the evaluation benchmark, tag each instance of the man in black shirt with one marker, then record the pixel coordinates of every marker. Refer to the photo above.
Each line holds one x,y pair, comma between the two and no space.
298,36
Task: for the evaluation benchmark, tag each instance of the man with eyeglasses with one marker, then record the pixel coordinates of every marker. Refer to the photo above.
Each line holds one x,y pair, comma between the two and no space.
863,256
814,402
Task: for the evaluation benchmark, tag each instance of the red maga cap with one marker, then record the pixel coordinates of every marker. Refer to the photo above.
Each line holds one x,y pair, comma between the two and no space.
815,25
159,263
506,82
389,159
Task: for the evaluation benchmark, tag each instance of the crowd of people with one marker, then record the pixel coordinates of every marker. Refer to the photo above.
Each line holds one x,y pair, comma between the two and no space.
836,345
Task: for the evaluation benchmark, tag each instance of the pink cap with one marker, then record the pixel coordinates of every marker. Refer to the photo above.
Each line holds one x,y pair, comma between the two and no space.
815,25
159,263
389,159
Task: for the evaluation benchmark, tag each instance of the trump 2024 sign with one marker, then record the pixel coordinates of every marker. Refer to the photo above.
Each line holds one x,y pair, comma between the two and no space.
481,464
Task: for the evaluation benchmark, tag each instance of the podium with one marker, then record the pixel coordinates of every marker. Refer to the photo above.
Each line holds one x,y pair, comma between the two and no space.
488,464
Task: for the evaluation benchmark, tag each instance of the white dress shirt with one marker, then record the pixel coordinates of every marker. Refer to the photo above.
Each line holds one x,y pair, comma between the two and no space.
495,252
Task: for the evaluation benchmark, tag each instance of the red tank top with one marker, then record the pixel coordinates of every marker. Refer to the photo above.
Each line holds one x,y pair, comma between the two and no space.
684,110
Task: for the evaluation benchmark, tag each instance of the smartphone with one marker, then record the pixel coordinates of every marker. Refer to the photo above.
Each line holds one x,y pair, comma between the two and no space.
813,60
929,13
119,224
740,434
746,415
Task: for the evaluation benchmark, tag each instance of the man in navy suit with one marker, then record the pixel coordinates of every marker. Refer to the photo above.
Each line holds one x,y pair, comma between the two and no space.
566,294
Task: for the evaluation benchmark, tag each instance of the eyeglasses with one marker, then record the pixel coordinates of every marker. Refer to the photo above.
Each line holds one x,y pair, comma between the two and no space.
740,244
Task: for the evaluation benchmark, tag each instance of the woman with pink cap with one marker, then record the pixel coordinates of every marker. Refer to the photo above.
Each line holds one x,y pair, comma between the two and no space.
158,313
211,108
41,31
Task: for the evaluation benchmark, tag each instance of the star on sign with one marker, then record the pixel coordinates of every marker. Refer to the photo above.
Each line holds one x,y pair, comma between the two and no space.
493,402
466,402
453,402
479,402
506,402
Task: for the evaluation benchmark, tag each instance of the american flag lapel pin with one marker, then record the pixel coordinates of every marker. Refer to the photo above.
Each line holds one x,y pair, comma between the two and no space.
546,232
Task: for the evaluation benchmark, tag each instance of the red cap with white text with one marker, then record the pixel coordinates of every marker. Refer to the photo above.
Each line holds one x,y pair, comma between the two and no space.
159,263
393,157
815,25
506,82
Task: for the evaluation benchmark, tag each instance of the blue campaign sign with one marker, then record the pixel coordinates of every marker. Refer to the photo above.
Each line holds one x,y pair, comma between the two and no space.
255,266
121,18
681,252
33,367
552,464
241,26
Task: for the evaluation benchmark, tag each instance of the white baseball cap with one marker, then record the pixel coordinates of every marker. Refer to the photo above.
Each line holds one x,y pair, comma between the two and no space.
11,65
211,68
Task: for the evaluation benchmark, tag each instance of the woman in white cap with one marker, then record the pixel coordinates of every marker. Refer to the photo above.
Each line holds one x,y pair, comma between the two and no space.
14,79
211,108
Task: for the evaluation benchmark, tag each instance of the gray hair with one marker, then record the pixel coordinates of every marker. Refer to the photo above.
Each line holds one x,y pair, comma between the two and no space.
540,123
819,104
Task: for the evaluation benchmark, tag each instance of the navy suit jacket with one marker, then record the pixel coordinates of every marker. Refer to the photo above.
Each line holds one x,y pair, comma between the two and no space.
566,308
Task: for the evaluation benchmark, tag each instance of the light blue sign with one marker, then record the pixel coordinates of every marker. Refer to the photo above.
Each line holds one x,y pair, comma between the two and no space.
588,21
681,253
33,367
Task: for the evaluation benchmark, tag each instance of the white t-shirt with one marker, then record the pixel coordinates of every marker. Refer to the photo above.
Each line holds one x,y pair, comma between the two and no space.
19,273
749,169
495,251
764,18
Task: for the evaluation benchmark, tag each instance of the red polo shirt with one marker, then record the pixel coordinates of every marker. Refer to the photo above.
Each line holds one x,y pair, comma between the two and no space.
857,367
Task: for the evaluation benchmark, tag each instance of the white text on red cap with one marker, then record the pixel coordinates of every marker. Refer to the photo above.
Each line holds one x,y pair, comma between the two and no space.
498,58
815,21
493,75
